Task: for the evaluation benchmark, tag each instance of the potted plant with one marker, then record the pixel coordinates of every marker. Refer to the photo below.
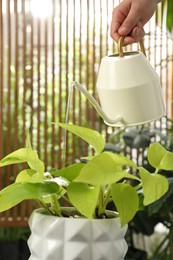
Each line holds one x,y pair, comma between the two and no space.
89,188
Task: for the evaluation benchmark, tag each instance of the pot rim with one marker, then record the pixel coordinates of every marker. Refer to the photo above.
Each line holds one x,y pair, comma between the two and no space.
113,215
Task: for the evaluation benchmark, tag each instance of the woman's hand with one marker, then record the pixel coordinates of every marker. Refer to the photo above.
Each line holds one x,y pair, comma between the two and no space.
129,18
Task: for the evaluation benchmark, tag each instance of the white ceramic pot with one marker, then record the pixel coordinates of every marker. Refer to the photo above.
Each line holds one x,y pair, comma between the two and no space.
55,238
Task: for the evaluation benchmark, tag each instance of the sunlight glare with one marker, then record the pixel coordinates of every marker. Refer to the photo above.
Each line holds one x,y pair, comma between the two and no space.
41,8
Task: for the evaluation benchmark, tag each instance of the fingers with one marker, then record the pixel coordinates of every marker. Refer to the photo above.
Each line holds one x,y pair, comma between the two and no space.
114,34
136,35
126,22
129,23
117,19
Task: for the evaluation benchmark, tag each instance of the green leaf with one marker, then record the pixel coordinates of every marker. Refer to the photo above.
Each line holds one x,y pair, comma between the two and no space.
102,170
122,160
159,157
155,154
154,186
126,201
24,155
167,162
17,192
169,17
29,175
84,198
18,156
70,173
164,204
92,137
33,161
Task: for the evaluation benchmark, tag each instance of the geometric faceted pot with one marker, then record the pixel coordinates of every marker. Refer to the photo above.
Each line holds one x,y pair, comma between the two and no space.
64,238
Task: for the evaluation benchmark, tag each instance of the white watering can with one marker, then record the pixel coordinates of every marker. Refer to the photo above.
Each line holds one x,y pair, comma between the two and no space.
128,88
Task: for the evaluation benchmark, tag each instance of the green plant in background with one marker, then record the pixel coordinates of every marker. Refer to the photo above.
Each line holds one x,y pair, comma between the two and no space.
167,11
169,15
8,234
135,141
91,186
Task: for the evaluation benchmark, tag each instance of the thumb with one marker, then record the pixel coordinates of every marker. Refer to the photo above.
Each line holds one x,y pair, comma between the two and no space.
129,23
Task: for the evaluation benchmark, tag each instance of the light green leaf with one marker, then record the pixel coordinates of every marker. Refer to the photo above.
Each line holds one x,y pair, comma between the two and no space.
29,175
154,186
167,162
34,162
102,170
122,160
92,137
156,152
24,155
18,156
159,157
37,165
126,201
48,199
70,173
17,192
87,158
84,198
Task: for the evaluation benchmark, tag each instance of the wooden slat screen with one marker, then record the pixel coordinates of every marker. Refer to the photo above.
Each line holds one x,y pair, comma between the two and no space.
44,46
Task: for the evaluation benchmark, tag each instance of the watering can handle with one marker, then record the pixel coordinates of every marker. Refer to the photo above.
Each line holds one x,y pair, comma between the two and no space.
120,46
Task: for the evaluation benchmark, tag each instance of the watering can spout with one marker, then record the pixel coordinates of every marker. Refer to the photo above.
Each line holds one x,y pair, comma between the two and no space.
95,104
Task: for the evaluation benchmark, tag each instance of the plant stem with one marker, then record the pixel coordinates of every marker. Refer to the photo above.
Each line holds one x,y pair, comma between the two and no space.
138,187
104,198
66,199
55,205
156,171
44,205
107,197
101,201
